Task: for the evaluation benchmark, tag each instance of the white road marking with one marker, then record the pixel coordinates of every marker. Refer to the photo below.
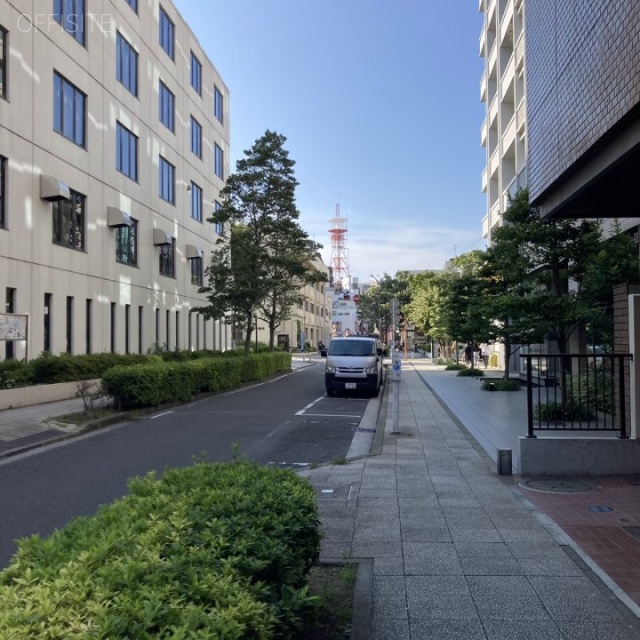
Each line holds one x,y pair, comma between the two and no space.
327,415
166,413
253,386
301,412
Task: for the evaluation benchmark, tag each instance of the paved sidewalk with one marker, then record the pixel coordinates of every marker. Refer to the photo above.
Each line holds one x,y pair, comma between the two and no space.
457,554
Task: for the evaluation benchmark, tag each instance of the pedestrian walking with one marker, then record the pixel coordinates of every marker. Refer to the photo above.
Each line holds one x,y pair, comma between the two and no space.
484,354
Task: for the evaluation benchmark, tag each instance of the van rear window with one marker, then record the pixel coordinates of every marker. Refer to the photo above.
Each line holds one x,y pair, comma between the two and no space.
352,348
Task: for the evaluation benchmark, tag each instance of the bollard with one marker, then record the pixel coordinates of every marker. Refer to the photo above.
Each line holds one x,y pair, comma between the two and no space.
504,462
395,377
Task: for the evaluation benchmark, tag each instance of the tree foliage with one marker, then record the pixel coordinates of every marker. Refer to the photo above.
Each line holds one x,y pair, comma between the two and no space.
260,267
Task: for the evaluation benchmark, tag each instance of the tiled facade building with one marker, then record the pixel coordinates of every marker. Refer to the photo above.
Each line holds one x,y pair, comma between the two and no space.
502,89
114,146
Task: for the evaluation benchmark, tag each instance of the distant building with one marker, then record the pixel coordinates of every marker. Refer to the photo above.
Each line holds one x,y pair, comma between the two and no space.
502,89
114,146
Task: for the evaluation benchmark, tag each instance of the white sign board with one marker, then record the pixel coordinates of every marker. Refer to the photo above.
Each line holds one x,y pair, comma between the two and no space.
396,369
13,326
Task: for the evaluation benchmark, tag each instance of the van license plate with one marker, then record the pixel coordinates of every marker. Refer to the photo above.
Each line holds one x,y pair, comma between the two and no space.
349,385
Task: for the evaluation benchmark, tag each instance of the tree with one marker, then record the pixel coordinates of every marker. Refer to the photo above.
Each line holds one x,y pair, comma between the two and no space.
265,248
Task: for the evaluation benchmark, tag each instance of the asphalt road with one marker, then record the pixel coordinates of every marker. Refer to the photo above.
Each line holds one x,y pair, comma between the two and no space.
287,421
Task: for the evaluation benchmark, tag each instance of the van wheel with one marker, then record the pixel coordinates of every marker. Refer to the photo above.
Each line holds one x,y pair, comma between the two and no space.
330,392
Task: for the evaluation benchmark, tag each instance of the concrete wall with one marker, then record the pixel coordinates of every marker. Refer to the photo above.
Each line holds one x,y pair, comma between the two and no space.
39,394
578,456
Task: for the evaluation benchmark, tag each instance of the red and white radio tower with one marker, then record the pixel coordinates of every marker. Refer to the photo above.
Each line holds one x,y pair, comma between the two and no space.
339,254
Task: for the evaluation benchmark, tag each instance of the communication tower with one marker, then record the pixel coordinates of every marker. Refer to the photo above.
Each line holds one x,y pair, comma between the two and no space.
339,253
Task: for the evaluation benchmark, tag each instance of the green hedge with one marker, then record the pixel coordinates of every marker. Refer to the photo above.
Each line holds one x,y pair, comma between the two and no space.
150,385
209,551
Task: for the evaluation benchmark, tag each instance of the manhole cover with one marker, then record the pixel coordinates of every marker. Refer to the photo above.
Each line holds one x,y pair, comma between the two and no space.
634,479
555,486
634,531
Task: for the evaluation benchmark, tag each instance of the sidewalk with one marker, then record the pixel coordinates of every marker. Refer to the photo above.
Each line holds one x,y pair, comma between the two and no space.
458,552
455,551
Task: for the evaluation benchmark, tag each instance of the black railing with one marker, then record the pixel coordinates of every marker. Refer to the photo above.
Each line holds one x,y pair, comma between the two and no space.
577,392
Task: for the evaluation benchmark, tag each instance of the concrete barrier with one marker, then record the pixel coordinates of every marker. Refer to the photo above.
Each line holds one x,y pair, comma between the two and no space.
39,394
556,456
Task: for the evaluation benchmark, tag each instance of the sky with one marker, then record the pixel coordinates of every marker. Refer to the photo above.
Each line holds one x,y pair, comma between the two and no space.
380,105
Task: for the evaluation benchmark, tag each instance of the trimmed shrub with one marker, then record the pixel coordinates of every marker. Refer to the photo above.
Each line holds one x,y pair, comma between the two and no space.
454,366
471,372
209,551
15,373
501,385
150,385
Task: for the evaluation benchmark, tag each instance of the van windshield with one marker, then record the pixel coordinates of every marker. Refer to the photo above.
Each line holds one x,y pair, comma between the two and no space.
352,348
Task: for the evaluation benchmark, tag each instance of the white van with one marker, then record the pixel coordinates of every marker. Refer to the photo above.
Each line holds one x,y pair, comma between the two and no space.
354,363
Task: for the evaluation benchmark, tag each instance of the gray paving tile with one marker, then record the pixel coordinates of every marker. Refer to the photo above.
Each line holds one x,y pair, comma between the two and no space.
491,567
376,549
438,606
549,567
483,550
474,535
388,566
599,631
536,550
522,630
575,599
426,587
390,628
431,558
434,629
336,529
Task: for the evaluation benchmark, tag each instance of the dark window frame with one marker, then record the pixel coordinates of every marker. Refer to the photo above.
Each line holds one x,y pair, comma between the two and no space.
196,202
126,64
126,152
127,244
73,21
218,104
167,262
72,126
167,36
218,161
167,180
219,226
196,74
197,271
3,192
69,227
196,138
133,4
167,107
4,36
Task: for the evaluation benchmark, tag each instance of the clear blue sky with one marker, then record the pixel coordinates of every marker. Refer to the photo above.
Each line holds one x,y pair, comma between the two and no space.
380,105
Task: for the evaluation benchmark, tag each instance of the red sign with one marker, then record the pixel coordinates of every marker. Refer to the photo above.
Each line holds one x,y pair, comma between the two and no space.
356,298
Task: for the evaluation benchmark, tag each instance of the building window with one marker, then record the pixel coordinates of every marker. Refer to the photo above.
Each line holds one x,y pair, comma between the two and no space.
48,303
9,307
127,326
196,202
219,227
69,324
113,328
218,104
127,243
70,15
167,181
68,222
126,64
168,259
126,152
69,110
88,337
196,137
3,62
133,4
167,33
219,161
140,327
196,271
167,106
3,193
196,74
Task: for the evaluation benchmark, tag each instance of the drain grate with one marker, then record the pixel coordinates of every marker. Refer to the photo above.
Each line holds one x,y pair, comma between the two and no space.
595,508
556,486
633,531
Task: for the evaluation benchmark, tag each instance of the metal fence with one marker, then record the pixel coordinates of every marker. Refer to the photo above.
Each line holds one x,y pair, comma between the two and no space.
577,392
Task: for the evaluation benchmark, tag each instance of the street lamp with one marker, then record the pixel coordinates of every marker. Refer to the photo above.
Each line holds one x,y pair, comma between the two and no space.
379,310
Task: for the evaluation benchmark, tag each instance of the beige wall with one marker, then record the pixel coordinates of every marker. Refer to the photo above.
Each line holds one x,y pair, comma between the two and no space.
29,261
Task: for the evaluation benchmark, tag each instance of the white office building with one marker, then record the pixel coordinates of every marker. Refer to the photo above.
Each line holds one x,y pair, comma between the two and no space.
502,89
114,146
